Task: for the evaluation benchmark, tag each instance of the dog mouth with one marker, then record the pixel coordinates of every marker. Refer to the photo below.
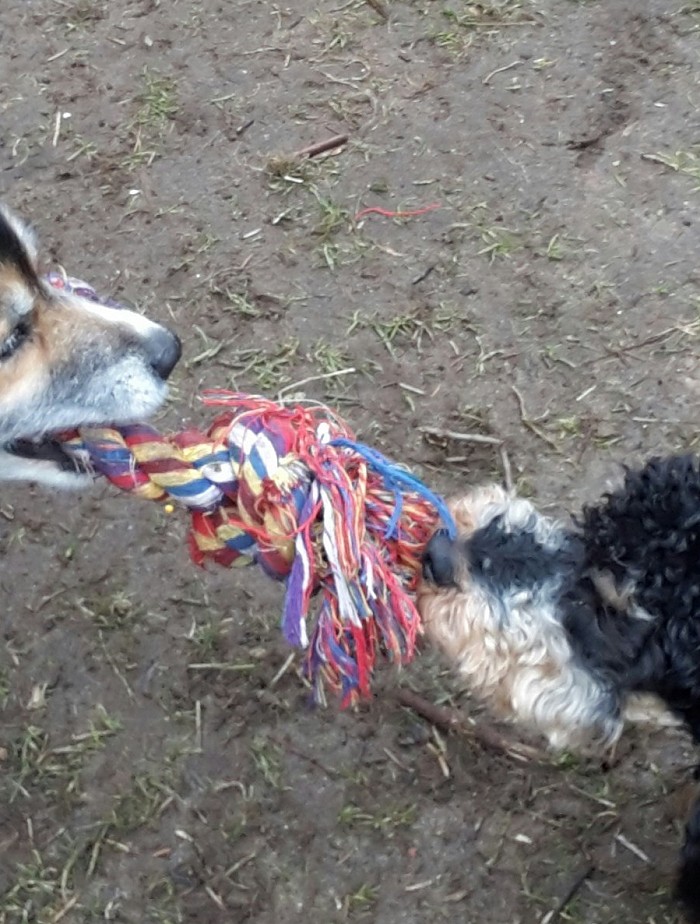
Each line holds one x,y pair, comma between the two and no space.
48,450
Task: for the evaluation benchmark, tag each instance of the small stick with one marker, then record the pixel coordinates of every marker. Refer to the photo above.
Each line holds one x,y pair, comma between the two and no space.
56,129
462,437
313,150
379,9
198,726
451,720
288,746
507,471
315,378
569,895
637,851
654,158
60,915
530,424
242,129
423,275
499,70
283,670
391,213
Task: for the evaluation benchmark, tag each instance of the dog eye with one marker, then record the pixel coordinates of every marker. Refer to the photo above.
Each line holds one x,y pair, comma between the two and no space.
14,340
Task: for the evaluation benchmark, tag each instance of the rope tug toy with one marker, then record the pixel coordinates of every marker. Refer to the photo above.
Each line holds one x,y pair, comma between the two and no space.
290,488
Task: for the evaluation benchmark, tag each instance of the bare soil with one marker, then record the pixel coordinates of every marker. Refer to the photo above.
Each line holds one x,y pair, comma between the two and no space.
552,300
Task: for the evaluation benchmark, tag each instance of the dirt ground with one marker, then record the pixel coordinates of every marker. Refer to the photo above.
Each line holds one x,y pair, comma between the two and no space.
552,300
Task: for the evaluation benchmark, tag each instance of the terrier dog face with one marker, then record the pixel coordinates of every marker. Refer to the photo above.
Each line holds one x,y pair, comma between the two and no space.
491,601
67,362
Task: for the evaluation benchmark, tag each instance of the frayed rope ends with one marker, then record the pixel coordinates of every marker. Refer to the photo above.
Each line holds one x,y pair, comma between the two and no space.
292,490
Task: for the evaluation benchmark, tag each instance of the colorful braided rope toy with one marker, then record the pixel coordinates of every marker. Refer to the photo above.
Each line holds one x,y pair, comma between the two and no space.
290,488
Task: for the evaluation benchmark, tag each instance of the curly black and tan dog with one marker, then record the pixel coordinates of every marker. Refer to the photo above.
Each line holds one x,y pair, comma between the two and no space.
558,626
67,361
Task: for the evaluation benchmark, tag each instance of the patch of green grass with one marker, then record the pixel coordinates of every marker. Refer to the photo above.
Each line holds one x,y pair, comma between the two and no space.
206,637
83,147
565,760
200,244
401,327
387,821
555,250
550,355
26,756
329,357
234,295
157,107
57,769
147,797
499,242
335,253
110,611
157,101
240,304
266,758
407,327
285,174
569,426
606,440
464,23
234,828
5,686
268,368
163,904
686,162
35,891
454,40
486,11
271,369
17,537
332,217
339,37
362,900
80,15
210,349
472,418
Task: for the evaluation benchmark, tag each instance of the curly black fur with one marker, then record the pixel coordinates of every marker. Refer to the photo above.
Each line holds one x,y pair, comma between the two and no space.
648,533
688,885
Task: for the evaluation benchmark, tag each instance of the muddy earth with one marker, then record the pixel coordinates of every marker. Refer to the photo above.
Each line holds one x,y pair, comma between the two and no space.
160,762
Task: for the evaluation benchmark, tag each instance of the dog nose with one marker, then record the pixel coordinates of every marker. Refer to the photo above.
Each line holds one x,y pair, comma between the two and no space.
164,350
438,567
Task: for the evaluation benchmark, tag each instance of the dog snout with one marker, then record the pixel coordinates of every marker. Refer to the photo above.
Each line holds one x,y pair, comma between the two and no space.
164,350
438,564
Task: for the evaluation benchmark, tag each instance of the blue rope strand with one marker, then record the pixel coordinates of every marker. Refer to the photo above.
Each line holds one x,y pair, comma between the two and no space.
394,476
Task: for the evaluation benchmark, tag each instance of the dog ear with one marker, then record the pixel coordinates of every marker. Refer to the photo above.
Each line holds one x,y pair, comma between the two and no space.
17,241
19,282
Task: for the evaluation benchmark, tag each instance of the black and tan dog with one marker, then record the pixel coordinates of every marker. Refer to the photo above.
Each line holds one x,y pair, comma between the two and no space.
558,626
65,362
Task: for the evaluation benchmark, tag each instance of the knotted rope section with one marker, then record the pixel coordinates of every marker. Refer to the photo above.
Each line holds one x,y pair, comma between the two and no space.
290,488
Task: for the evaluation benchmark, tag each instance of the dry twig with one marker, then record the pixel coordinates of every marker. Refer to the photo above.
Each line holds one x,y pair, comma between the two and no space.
451,720
462,437
313,150
379,9
529,423
569,895
507,470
